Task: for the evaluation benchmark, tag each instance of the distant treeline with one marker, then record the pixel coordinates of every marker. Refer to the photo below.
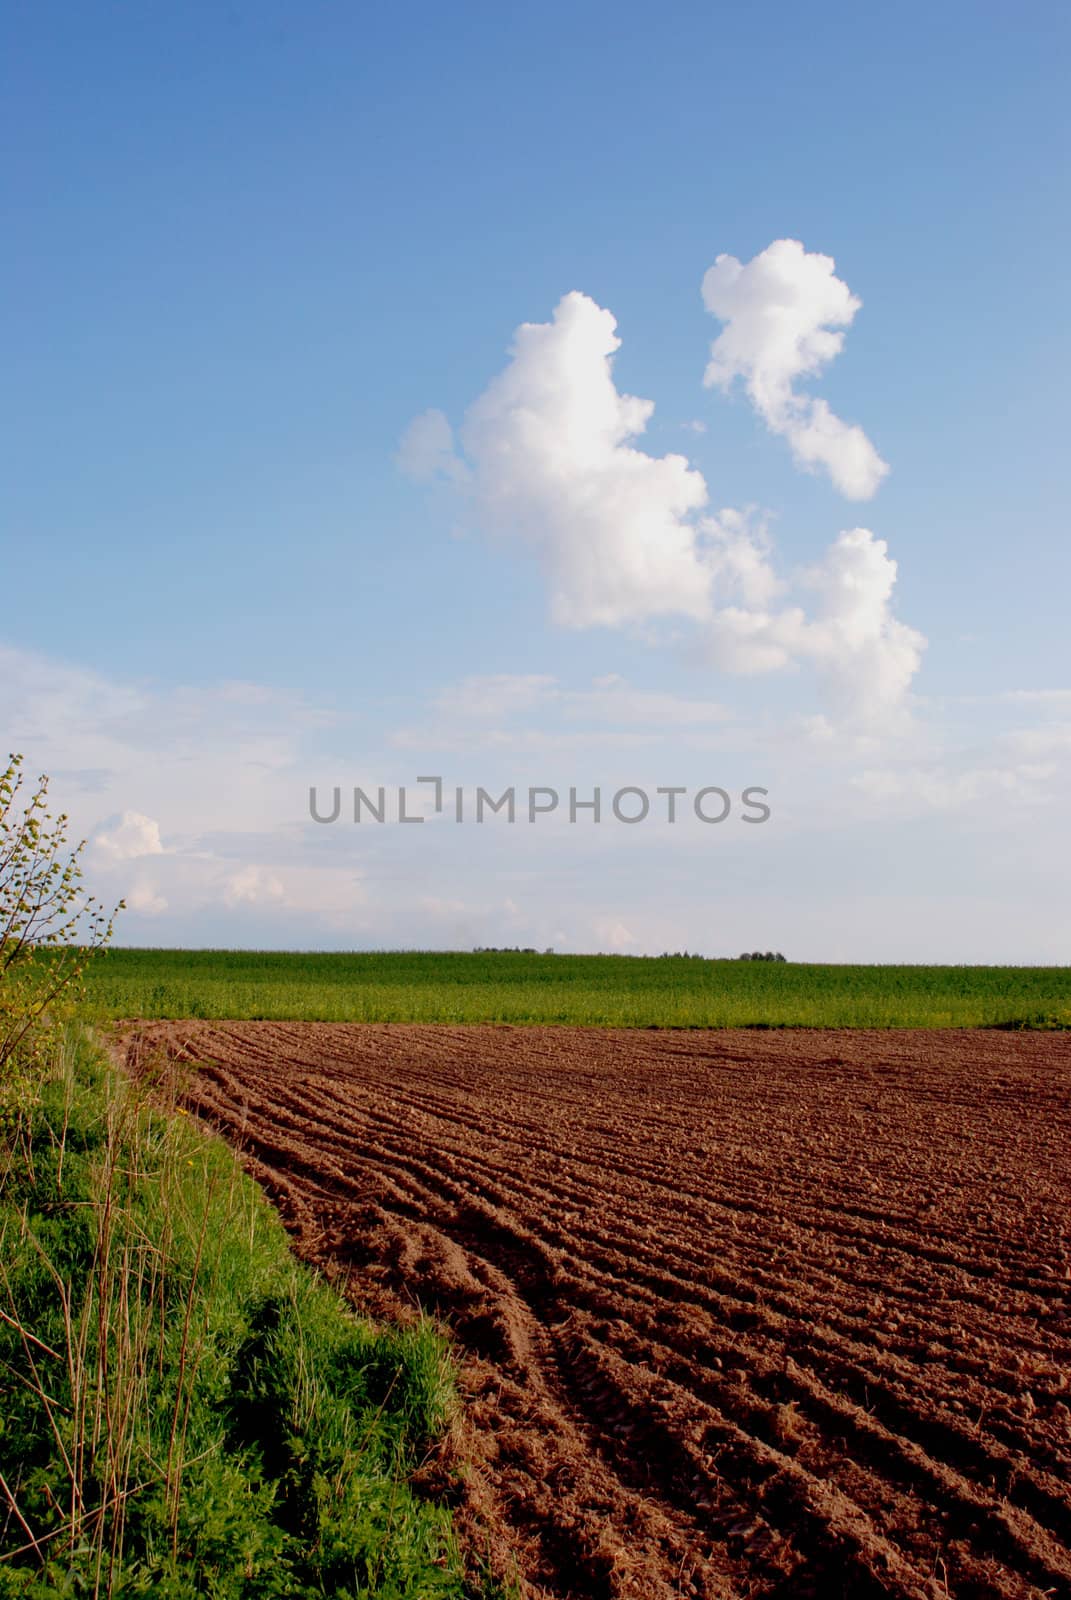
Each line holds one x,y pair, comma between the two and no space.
508,950
667,955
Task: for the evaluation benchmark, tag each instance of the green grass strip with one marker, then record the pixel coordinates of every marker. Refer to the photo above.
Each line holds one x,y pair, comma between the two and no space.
186,1410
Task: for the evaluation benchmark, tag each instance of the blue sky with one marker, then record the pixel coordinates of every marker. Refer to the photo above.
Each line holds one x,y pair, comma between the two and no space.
253,244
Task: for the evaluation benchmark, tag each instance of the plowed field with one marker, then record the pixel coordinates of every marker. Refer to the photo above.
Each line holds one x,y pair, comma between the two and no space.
740,1314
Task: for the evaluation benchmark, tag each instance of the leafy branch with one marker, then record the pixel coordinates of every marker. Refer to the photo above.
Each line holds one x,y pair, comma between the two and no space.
49,926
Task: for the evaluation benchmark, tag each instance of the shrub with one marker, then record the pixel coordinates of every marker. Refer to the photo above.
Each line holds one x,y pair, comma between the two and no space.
49,928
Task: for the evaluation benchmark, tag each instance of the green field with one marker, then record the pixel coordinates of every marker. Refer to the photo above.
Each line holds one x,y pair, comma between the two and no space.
603,991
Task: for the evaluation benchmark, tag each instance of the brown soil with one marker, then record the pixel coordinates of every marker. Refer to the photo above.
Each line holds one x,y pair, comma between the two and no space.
740,1314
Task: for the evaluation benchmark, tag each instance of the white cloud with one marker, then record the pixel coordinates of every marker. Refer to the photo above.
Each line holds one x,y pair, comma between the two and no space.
497,695
144,899
131,835
780,312
196,758
866,657
941,787
740,555
426,451
624,537
253,885
609,700
554,466
1049,739
958,807
219,772
1054,697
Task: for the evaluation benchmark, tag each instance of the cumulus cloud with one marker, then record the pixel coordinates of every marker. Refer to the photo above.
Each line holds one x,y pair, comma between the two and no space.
868,655
130,836
783,314
145,899
865,655
551,460
252,885
739,553
553,464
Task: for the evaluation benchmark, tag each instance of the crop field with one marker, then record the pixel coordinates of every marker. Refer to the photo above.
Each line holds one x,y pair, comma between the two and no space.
742,1314
593,991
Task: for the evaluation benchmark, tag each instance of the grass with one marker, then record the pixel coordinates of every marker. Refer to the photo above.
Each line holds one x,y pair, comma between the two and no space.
619,991
185,1409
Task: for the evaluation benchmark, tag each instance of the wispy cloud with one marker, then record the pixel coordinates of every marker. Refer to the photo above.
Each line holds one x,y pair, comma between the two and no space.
534,712
611,699
209,841
426,450
183,792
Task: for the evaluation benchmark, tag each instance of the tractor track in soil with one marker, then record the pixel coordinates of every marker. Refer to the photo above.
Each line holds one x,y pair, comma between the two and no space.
770,1314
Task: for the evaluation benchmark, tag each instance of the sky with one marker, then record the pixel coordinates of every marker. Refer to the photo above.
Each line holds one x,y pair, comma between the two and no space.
561,398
